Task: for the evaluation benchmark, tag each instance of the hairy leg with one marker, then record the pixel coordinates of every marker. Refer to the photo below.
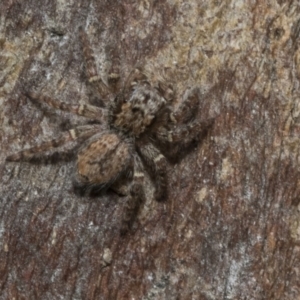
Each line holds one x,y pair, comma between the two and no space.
183,126
157,162
184,133
114,70
84,132
93,77
135,76
136,197
85,110
90,65
189,106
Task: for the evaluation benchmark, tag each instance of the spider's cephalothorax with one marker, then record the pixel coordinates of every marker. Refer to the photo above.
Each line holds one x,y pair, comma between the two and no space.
117,150
139,110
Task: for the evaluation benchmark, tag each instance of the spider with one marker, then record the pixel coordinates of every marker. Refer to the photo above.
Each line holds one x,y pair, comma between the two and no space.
126,134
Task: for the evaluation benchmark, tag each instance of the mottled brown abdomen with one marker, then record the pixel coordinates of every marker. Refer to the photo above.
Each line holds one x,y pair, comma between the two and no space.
103,160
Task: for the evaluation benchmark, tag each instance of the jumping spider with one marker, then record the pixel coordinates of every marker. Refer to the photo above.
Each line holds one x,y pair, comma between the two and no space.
138,120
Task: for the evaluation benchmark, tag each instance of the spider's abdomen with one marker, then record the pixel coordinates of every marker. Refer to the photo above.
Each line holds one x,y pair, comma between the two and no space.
104,158
139,110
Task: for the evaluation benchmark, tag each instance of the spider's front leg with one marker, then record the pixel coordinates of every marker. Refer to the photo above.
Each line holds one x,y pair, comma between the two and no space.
185,126
184,134
93,77
189,106
85,110
157,162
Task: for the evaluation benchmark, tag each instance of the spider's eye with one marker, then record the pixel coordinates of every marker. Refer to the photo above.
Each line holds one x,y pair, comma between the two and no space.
135,109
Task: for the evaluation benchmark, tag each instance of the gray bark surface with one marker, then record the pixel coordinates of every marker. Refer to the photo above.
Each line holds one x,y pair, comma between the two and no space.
230,228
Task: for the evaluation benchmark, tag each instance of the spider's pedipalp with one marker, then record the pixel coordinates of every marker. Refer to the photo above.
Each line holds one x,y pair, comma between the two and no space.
100,162
84,110
84,132
136,197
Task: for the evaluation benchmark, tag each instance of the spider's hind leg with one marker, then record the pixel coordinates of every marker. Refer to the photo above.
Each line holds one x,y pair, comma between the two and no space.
157,162
136,197
84,132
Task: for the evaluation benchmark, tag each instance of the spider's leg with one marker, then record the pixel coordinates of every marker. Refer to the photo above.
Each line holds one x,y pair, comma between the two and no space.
84,131
189,106
85,110
166,89
184,134
157,162
136,197
136,75
114,70
183,126
168,120
91,69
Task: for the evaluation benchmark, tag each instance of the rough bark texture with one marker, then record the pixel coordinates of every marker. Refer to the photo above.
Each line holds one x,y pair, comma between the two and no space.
230,228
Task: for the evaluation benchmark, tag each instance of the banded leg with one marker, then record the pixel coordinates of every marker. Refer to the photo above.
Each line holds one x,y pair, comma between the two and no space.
71,135
179,129
165,88
84,110
91,69
114,70
185,133
170,124
136,197
189,106
158,164
135,76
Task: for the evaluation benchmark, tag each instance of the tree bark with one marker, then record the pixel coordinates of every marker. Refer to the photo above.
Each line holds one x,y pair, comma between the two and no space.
230,228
